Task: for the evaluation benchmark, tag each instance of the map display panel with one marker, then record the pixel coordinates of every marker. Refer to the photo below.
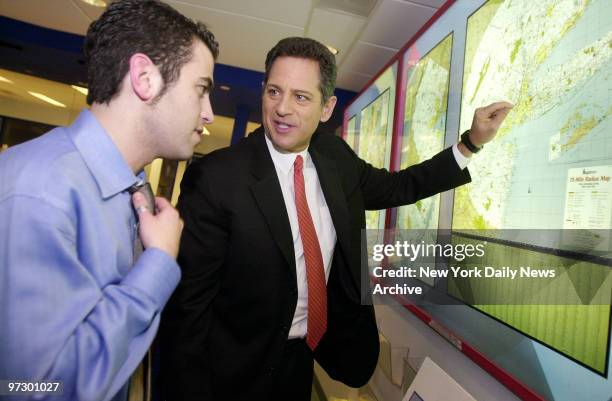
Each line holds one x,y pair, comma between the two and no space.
425,126
553,60
351,134
373,133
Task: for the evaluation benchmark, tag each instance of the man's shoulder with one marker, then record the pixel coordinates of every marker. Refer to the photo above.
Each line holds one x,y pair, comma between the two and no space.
329,141
332,146
42,165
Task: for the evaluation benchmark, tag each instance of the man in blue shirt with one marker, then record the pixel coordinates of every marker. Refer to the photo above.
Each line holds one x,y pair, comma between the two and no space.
77,305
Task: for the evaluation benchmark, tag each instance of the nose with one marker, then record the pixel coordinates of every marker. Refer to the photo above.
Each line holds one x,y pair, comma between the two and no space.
206,113
283,107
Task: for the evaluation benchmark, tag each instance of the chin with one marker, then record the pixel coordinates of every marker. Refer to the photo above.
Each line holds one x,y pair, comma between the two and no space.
283,146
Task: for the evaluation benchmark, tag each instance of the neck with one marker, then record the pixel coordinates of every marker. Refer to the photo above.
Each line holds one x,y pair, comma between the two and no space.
121,123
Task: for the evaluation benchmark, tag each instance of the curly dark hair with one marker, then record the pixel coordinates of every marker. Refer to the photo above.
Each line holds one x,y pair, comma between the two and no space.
309,49
139,26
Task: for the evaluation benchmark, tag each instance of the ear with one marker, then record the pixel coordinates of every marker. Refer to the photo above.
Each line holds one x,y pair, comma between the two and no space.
145,78
328,108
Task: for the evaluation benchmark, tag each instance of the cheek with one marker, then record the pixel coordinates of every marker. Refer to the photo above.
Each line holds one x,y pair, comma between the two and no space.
312,119
266,108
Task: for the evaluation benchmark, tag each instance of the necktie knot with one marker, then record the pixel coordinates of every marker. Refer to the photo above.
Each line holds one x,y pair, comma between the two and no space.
137,187
299,163
145,189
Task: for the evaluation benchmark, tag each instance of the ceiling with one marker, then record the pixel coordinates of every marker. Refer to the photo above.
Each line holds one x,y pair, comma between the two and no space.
366,32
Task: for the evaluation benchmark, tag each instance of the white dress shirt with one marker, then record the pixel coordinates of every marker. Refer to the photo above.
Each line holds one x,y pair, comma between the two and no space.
326,233
462,161
324,226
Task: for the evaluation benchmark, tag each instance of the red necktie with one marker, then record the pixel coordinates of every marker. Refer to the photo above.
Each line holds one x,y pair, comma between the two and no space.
315,273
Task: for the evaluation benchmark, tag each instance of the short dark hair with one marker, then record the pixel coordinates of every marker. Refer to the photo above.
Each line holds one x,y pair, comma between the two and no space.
309,49
139,26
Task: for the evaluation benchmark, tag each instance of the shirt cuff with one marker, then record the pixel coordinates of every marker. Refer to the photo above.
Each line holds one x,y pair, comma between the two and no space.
156,274
462,161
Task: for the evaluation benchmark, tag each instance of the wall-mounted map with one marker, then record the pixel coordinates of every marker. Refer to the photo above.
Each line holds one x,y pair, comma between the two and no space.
373,133
553,60
424,126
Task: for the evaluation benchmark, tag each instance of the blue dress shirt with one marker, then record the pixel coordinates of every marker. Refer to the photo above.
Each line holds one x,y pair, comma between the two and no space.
74,304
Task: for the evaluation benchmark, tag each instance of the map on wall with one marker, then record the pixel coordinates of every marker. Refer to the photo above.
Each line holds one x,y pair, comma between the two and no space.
373,142
553,60
351,134
424,127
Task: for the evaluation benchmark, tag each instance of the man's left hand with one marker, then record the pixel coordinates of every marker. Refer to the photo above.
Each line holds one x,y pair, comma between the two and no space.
487,121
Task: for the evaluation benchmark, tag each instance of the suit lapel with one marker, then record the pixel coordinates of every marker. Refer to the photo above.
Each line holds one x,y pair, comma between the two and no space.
269,197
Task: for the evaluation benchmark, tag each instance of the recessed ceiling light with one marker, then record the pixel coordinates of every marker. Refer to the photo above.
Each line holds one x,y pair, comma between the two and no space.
47,99
95,3
224,87
84,91
332,49
8,81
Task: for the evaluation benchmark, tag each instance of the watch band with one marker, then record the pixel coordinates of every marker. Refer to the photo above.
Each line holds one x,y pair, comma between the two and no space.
465,139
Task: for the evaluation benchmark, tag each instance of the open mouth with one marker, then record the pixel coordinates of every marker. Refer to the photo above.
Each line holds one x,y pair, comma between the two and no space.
282,127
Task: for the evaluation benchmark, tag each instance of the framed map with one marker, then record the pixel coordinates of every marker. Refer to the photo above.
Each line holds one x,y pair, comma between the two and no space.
553,60
372,144
425,126
351,133
370,118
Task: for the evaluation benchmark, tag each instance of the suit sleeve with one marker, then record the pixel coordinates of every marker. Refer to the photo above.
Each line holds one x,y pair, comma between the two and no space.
382,189
186,322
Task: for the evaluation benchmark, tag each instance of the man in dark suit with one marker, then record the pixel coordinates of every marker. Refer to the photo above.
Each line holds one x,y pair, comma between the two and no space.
270,254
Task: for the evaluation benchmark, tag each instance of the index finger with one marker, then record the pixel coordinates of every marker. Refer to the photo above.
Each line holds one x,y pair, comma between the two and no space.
496,107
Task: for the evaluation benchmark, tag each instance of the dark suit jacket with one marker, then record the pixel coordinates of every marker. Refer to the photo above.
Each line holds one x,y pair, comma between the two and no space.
226,325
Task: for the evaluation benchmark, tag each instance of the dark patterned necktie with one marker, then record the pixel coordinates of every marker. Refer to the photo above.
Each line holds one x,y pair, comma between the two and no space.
145,189
140,381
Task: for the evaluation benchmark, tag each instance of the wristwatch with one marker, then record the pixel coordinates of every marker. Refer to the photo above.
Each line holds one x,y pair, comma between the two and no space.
465,139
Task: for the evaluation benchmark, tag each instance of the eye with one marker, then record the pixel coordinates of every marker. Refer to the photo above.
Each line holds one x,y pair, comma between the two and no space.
202,90
272,91
302,98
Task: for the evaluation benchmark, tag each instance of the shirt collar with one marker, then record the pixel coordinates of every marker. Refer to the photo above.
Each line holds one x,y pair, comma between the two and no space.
102,157
284,161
